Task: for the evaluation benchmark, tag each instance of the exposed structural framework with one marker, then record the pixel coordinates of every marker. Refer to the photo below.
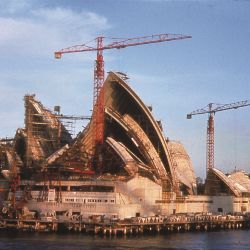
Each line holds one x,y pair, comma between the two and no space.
235,184
134,145
211,109
99,73
46,172
44,132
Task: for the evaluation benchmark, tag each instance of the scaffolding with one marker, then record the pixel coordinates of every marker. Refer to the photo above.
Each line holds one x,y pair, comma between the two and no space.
46,131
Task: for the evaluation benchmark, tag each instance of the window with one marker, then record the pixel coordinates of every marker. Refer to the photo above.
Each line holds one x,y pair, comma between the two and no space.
220,210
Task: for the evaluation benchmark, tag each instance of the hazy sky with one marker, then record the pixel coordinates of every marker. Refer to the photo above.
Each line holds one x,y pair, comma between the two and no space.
174,77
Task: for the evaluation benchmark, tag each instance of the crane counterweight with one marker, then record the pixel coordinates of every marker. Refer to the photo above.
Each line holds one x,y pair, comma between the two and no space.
58,55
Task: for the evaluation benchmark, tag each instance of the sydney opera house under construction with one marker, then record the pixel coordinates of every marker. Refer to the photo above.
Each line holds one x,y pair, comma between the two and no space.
136,172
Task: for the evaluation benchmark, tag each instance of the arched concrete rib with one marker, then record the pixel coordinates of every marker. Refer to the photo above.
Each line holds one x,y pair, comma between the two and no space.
115,78
229,183
128,160
144,142
140,139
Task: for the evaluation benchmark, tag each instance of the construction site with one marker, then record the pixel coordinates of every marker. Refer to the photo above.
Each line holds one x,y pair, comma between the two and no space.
120,166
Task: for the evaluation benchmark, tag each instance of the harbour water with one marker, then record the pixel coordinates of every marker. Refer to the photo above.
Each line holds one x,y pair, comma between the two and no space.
224,240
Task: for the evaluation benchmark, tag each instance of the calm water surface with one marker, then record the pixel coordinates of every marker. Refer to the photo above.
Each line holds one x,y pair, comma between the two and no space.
227,240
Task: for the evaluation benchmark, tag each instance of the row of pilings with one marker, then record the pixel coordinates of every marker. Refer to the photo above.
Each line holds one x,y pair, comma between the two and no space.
132,226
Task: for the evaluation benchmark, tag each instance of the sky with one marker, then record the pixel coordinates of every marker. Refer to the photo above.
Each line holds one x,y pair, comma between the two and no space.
174,77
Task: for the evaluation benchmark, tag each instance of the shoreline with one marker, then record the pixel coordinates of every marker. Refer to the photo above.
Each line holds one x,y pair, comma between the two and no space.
131,226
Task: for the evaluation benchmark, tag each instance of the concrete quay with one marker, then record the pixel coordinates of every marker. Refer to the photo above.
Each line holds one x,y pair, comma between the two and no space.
132,226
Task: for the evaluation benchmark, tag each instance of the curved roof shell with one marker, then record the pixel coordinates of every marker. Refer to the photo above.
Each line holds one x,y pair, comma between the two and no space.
218,183
127,111
183,165
135,140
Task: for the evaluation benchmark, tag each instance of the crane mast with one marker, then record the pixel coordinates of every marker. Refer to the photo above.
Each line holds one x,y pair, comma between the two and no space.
211,109
210,141
99,73
98,95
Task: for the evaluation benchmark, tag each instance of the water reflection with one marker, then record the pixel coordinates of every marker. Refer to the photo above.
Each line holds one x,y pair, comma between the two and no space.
195,240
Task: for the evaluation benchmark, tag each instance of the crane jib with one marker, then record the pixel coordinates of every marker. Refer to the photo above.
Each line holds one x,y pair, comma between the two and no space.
98,97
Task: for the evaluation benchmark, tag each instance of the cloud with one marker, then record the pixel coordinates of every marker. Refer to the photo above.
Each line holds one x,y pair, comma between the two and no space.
43,30
13,6
29,35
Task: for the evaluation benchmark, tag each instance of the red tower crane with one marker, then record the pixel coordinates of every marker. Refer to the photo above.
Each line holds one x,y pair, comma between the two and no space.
99,75
211,109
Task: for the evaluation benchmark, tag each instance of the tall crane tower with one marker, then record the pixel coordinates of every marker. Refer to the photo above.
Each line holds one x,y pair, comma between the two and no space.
211,109
99,73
